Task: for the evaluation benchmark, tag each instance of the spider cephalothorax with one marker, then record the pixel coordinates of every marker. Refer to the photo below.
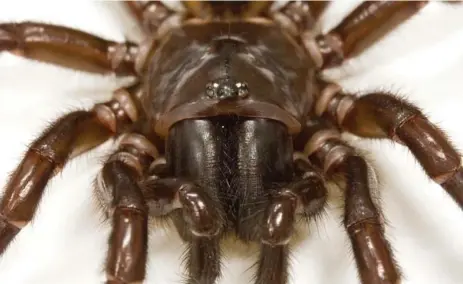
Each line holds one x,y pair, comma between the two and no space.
230,128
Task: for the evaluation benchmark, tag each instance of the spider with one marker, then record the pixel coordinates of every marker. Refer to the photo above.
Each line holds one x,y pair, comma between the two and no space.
268,272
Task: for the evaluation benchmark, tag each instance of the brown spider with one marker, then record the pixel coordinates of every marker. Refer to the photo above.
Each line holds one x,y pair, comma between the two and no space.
250,132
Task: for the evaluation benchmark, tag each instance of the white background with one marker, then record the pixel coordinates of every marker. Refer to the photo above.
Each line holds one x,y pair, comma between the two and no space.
66,242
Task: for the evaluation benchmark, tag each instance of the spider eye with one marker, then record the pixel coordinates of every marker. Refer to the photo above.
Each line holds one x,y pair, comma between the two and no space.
242,89
226,91
223,89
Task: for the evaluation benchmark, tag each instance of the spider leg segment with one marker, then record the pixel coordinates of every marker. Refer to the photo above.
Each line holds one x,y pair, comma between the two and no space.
123,180
70,48
381,115
120,194
372,251
151,15
299,16
198,220
69,136
306,196
136,184
364,26
374,258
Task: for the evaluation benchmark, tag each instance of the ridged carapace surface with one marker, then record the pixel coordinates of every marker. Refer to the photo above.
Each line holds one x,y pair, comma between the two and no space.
278,73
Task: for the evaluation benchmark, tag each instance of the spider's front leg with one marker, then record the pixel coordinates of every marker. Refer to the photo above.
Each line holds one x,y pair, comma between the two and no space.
305,196
198,218
71,48
69,136
362,218
120,194
381,115
135,184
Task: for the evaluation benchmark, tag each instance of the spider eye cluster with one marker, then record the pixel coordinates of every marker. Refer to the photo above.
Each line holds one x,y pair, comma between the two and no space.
226,88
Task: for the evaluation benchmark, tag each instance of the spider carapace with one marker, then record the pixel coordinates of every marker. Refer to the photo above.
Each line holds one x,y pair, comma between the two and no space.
229,128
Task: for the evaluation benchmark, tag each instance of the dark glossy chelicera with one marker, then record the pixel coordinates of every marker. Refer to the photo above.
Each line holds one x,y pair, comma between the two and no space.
228,129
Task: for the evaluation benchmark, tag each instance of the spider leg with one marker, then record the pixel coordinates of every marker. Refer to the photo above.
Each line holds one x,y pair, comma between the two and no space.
201,223
362,219
70,48
150,15
381,115
364,26
122,198
299,16
69,136
307,196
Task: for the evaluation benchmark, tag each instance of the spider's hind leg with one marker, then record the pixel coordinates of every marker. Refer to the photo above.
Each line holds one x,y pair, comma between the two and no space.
306,195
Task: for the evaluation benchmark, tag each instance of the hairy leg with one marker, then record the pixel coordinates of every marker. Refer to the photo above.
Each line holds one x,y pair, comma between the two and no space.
306,196
69,136
362,218
382,115
121,196
198,219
